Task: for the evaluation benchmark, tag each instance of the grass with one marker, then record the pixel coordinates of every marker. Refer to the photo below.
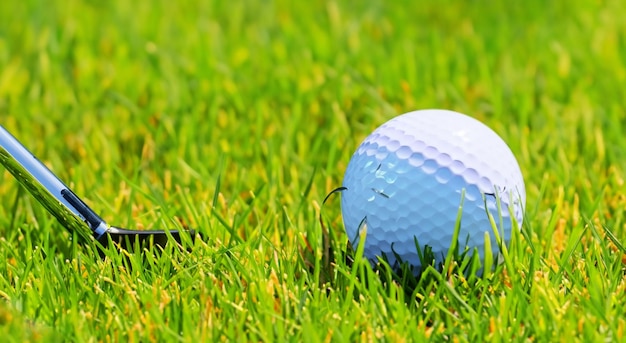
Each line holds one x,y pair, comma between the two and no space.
237,118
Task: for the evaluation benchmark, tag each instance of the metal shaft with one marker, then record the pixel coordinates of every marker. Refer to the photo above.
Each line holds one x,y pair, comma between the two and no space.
72,212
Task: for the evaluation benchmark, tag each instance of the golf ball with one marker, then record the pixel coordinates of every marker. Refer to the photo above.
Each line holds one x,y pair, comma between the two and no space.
407,180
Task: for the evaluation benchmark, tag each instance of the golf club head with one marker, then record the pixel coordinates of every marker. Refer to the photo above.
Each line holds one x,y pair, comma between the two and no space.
67,207
133,240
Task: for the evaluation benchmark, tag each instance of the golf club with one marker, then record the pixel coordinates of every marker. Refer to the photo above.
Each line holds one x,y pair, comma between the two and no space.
66,206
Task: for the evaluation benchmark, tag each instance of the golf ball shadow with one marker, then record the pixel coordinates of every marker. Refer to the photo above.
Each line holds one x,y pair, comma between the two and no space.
408,178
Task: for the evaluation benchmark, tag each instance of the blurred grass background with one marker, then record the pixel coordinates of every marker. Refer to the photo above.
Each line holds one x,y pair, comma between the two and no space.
238,117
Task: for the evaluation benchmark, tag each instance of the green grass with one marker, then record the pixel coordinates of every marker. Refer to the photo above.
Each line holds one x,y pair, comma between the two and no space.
238,117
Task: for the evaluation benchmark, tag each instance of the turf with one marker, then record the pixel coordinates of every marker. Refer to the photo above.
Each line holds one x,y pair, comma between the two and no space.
238,117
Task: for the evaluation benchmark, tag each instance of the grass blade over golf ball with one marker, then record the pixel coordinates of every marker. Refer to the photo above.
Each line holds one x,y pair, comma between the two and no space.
406,181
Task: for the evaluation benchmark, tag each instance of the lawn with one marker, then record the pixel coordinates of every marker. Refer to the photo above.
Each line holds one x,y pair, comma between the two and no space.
237,118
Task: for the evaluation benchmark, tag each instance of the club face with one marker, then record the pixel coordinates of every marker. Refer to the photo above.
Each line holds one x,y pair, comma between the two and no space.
133,239
66,206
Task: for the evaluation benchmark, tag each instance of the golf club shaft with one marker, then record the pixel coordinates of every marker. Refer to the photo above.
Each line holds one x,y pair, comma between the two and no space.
51,192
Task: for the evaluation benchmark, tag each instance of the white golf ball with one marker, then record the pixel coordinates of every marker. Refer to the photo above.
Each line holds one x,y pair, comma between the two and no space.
406,180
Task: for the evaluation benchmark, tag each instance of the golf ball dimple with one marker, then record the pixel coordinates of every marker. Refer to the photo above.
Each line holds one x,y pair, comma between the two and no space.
407,179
